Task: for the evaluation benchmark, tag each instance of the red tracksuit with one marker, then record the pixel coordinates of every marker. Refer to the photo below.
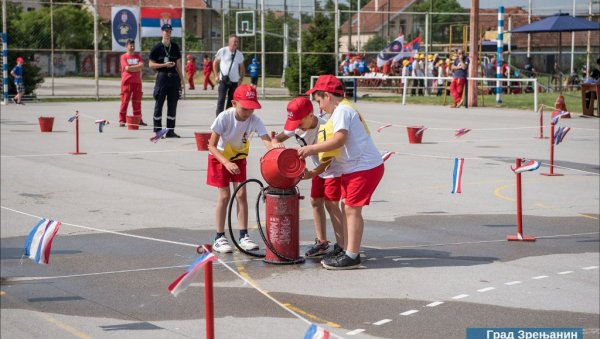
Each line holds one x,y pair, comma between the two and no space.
207,68
131,86
190,69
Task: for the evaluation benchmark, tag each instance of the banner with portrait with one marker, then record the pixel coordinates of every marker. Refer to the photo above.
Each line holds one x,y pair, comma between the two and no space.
125,25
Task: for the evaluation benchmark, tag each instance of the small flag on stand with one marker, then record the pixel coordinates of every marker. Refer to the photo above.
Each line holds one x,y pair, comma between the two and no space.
315,332
101,124
560,134
457,175
183,282
557,115
529,165
461,131
39,242
159,135
71,119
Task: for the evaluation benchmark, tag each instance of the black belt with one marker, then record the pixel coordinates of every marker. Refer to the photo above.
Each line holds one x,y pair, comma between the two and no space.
170,75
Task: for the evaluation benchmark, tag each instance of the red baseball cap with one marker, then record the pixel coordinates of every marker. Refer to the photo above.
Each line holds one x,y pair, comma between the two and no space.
246,96
298,108
328,83
19,59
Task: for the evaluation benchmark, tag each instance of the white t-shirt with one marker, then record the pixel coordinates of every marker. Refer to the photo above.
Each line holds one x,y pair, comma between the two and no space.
234,132
359,152
225,57
310,137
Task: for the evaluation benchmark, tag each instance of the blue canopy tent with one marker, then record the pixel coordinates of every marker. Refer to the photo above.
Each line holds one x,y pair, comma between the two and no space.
560,22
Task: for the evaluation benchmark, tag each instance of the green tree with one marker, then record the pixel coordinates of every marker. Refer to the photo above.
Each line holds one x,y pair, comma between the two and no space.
318,47
441,23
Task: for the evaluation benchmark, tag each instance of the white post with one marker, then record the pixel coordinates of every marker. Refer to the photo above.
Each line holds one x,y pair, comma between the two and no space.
52,44
573,45
96,59
262,45
4,55
300,47
404,90
428,88
286,34
337,27
358,28
535,94
499,50
529,34
589,42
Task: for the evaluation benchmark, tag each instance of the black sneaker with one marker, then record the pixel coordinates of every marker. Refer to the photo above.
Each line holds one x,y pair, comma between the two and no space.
335,252
319,249
142,123
341,262
172,134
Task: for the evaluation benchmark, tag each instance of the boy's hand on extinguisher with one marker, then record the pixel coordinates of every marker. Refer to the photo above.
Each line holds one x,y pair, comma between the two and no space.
232,167
305,151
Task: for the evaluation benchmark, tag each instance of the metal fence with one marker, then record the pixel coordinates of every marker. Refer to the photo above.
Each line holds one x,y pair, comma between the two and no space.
66,39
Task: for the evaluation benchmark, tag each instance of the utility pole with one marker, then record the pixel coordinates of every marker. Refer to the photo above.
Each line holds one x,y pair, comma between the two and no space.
473,53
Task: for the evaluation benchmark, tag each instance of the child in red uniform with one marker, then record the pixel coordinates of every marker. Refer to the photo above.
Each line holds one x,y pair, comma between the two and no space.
360,163
132,66
190,70
207,68
228,147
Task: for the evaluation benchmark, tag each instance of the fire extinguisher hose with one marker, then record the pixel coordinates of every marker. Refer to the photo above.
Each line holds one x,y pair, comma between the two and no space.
260,229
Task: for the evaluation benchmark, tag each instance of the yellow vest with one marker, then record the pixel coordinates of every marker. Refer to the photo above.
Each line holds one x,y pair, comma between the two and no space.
326,133
233,154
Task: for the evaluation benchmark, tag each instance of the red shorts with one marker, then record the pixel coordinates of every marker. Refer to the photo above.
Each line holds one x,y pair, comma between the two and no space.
218,176
329,189
358,187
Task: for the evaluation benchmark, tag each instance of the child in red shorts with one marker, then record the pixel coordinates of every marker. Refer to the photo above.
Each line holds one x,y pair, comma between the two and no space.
326,190
228,147
359,160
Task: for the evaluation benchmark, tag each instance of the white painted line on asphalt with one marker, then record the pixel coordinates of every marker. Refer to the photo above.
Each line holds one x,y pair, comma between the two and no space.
435,303
409,312
512,283
565,272
460,296
540,277
381,322
356,331
589,268
486,289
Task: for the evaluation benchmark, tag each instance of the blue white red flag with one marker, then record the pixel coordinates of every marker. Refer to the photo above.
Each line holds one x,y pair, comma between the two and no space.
560,134
315,332
154,18
159,135
461,131
181,284
529,165
557,115
409,50
39,242
101,124
457,175
398,50
71,119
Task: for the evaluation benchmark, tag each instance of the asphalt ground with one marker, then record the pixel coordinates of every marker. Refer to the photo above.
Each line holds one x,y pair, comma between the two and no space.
433,263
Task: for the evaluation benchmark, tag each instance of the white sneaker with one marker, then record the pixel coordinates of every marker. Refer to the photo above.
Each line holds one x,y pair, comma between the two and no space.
248,244
221,245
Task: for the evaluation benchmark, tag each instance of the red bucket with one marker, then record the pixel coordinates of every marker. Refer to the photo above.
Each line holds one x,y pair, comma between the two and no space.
133,121
202,140
282,168
46,123
415,134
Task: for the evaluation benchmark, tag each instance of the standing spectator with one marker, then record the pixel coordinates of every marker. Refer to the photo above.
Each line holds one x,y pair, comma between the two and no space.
459,77
132,66
490,72
530,73
254,71
229,71
362,65
440,75
207,68
17,73
165,58
190,70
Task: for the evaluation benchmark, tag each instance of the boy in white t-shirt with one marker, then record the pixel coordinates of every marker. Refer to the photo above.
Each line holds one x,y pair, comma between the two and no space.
359,160
326,188
228,147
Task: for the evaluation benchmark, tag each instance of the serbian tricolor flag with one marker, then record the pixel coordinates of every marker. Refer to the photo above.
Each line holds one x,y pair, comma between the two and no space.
181,283
315,332
154,18
39,242
457,175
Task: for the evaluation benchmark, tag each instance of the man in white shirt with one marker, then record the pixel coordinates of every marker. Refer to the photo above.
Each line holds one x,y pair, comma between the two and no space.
229,71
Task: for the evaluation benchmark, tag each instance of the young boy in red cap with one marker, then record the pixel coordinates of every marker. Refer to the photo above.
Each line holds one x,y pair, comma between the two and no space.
359,160
326,189
17,73
190,70
228,148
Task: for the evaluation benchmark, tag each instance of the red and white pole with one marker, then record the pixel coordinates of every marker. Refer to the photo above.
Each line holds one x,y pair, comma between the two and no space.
541,110
551,173
76,135
208,297
519,236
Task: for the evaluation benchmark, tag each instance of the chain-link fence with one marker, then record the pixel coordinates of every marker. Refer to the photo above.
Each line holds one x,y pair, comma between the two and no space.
292,41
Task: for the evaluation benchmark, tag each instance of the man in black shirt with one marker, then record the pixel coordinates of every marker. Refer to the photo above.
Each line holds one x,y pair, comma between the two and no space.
165,58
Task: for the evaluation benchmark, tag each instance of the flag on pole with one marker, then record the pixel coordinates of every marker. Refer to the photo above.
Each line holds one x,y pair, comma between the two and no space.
461,131
386,155
154,18
39,242
529,165
409,50
101,124
560,134
181,284
556,115
315,332
398,50
457,175
159,135
71,119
